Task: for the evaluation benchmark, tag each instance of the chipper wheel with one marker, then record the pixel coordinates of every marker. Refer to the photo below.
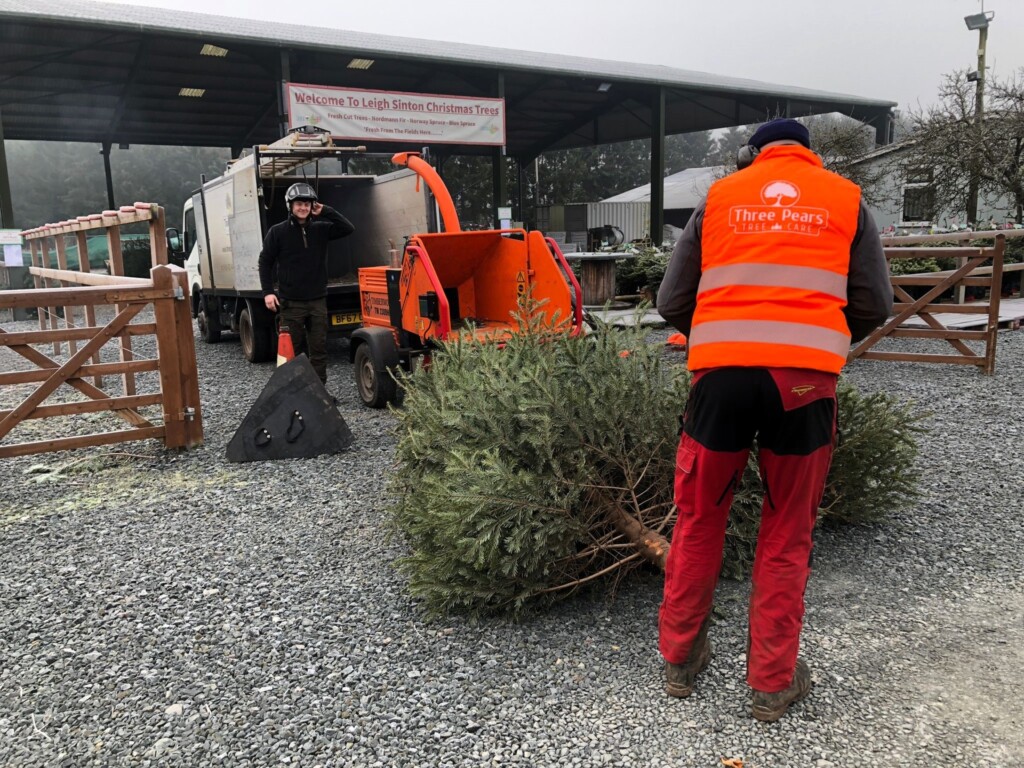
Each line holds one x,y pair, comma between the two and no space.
376,386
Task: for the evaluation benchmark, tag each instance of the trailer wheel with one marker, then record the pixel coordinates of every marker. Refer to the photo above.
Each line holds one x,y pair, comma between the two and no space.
209,322
376,387
256,335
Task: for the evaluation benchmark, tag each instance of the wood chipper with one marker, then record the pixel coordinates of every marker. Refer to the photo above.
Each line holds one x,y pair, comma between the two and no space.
453,283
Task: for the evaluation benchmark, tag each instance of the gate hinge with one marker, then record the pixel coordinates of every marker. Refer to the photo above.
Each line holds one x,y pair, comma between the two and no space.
189,414
179,293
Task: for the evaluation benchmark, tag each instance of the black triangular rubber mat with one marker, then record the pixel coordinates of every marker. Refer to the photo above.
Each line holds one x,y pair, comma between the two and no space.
293,418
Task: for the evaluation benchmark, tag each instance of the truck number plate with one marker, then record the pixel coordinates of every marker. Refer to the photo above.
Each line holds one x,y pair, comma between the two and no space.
348,318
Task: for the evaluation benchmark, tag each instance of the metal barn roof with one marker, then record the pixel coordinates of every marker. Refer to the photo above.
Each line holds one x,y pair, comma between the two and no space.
75,70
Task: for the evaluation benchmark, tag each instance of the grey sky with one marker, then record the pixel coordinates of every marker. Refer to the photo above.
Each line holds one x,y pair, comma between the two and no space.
886,49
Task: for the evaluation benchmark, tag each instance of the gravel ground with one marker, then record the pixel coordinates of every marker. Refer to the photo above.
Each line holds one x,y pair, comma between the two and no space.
163,608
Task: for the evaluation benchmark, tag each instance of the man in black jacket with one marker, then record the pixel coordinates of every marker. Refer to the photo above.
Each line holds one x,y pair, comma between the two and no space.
297,250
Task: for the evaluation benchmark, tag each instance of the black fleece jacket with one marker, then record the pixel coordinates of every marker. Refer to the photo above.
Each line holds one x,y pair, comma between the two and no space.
298,255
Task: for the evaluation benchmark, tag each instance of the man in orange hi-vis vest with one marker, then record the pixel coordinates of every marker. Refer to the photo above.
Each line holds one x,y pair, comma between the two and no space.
773,276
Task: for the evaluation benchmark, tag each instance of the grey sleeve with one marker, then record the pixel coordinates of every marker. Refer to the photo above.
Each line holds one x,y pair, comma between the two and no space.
677,296
868,287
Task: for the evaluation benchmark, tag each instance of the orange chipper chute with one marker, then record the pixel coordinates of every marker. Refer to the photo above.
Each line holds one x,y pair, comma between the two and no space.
440,191
455,281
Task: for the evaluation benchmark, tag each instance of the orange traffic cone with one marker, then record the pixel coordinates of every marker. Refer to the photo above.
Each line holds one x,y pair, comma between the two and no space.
677,340
285,350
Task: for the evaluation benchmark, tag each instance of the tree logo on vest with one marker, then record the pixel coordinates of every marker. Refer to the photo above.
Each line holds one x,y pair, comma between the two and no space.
780,193
779,213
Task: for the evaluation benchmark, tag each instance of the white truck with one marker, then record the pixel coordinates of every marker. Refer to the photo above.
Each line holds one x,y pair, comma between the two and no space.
226,219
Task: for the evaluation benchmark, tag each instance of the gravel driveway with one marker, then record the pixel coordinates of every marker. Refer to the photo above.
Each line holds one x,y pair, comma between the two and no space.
175,609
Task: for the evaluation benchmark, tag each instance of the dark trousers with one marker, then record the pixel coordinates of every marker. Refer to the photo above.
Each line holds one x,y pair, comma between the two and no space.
306,321
792,414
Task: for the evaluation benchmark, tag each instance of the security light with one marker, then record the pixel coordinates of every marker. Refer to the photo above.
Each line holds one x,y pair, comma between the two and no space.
979,20
360,63
213,50
604,87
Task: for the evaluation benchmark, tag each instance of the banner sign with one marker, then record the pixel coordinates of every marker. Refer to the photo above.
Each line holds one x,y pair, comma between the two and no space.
417,118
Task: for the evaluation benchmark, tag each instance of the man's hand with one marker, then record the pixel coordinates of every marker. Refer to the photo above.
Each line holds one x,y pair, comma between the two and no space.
317,207
271,301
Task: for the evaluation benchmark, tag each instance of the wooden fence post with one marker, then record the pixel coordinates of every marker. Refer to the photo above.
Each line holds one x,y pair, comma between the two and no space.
90,309
167,346
117,268
188,371
995,296
69,309
50,311
158,236
37,261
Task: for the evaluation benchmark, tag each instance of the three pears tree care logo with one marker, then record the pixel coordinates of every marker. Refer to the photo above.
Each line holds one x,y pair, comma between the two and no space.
779,213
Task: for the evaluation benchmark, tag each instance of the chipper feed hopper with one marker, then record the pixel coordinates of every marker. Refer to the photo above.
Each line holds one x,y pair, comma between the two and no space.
453,283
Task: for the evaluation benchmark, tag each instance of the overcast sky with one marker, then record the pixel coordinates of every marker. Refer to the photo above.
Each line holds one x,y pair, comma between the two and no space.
886,49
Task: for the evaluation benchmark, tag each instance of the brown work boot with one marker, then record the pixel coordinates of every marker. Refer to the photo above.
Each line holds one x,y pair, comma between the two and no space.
679,677
769,707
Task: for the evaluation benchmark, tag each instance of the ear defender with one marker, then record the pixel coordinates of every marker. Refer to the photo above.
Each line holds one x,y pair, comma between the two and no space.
745,156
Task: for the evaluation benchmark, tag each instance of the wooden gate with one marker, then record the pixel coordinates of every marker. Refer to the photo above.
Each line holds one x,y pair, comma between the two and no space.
977,268
175,389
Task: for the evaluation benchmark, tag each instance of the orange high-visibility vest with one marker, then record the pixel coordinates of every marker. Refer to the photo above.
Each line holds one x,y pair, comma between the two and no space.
775,258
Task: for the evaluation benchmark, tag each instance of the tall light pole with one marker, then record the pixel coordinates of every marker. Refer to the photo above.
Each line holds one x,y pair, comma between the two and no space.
980,22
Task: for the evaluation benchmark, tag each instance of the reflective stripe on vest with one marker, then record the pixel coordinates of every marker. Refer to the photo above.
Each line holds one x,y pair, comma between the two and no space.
775,255
771,332
779,275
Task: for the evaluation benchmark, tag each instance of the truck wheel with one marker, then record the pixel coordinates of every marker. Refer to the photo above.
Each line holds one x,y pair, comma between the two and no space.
209,322
376,388
256,335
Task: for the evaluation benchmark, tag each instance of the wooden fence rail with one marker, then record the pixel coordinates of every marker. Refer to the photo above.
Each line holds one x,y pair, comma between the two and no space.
166,291
976,267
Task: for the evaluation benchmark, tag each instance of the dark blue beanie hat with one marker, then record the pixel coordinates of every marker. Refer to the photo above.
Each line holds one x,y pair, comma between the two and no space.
776,130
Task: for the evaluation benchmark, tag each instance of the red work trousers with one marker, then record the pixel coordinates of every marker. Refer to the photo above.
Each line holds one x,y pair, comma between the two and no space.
792,414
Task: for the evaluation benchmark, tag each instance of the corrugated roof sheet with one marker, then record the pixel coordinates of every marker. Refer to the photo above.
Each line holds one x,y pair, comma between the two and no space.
683,190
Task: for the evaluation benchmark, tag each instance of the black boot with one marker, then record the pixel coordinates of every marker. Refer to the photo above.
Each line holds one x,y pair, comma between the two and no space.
679,677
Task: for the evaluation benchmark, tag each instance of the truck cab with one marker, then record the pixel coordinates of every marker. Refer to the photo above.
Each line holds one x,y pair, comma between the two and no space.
190,249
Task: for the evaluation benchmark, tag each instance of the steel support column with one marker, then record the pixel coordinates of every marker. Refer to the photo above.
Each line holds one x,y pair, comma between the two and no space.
498,166
285,72
658,166
520,183
6,201
106,172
